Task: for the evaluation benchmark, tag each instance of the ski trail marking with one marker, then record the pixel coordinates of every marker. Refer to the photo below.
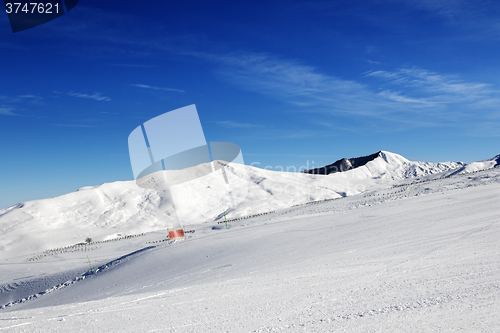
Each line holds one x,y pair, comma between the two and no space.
90,265
409,187
224,214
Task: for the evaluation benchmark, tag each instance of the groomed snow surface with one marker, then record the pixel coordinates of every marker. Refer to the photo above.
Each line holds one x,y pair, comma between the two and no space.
401,258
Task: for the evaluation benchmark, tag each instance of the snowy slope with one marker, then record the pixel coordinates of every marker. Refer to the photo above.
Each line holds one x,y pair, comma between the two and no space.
481,165
384,262
105,211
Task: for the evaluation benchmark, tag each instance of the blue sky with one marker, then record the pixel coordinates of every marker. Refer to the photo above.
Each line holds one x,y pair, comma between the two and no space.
293,83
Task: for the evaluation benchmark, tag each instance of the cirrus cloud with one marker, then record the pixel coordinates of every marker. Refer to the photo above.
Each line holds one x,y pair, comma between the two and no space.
146,86
95,96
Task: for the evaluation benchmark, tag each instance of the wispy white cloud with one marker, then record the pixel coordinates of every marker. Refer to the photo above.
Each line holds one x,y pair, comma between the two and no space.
396,97
145,86
6,111
383,75
304,86
412,97
11,105
234,124
289,80
19,98
95,96
438,88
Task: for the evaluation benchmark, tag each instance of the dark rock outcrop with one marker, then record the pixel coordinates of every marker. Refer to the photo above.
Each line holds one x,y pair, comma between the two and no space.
343,165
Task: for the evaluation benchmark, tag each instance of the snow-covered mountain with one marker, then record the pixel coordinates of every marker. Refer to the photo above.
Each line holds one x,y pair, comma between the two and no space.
385,165
120,208
383,261
343,165
480,165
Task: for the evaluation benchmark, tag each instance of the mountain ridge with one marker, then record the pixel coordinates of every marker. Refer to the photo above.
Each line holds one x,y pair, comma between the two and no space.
347,164
343,164
104,211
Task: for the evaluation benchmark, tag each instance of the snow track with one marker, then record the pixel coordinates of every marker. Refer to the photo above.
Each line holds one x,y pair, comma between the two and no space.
27,287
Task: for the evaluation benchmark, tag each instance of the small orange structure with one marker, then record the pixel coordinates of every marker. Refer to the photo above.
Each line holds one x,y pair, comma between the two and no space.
176,234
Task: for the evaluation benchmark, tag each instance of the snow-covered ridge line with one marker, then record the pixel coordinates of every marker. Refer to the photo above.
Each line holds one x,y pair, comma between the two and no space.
102,212
376,163
480,166
380,196
9,209
405,189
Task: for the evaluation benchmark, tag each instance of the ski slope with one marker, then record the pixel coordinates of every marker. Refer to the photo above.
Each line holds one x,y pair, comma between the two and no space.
122,208
416,258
